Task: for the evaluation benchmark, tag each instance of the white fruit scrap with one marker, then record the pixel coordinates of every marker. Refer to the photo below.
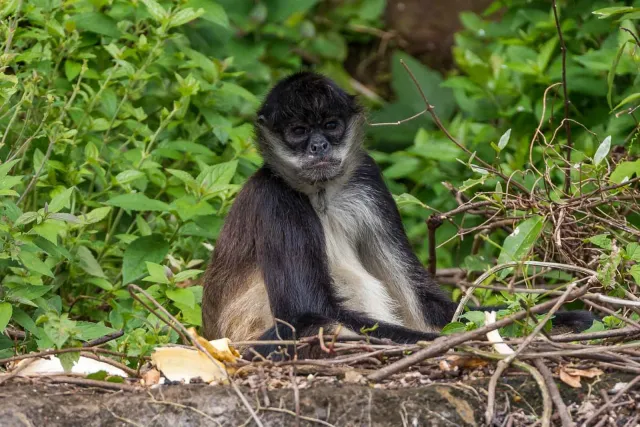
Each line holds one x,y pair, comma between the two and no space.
494,336
50,365
184,364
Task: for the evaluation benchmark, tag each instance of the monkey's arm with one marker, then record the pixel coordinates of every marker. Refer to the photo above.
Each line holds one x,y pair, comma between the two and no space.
290,253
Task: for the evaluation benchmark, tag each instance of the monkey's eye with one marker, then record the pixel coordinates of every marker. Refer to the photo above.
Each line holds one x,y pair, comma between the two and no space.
299,131
332,125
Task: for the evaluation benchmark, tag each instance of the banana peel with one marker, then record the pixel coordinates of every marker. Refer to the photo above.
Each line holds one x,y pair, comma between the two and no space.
185,364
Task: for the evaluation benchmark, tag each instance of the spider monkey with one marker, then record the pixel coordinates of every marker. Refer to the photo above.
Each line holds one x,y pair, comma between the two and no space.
314,238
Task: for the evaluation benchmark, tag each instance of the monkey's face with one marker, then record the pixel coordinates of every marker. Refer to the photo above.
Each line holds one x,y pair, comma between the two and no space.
308,128
313,147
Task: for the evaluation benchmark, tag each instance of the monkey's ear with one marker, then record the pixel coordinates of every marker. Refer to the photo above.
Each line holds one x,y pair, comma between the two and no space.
261,120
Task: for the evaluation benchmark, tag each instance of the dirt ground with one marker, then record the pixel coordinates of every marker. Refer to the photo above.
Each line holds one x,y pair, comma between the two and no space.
28,402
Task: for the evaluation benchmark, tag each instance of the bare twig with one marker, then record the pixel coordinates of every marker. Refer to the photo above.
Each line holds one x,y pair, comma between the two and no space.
563,412
104,339
567,125
84,382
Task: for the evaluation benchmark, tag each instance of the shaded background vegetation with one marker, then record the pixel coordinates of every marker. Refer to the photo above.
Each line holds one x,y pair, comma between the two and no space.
125,133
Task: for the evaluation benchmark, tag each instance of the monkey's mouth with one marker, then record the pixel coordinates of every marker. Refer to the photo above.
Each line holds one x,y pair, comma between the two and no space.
323,169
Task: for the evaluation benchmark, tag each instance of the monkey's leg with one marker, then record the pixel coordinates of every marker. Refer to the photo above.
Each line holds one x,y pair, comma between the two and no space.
309,324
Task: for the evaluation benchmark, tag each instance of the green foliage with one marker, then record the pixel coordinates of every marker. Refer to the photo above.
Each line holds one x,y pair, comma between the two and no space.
504,67
125,133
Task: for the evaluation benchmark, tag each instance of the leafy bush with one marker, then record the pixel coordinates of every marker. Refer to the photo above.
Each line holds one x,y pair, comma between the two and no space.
504,67
125,134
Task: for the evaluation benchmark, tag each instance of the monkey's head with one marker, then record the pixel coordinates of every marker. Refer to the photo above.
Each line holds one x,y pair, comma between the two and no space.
309,130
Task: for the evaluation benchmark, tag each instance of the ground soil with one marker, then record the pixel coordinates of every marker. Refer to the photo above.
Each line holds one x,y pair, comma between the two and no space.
27,402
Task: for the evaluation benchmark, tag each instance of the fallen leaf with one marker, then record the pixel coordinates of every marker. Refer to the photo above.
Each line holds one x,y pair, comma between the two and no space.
151,377
220,349
571,380
464,362
353,377
587,373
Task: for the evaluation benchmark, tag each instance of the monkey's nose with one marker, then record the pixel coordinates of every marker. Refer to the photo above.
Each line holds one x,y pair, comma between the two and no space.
318,148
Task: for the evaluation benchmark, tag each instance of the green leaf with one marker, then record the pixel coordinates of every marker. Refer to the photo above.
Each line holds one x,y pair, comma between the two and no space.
98,376
98,23
610,11
137,202
406,199
185,177
61,201
476,263
187,208
157,273
151,248
6,167
191,315
213,12
59,329
633,251
156,10
624,171
217,175
88,331
518,244
597,326
470,183
143,226
504,139
186,274
67,360
182,296
454,328
72,69
101,283
24,320
26,218
476,317
5,314
51,249
635,273
603,151
33,263
280,10
403,167
88,263
628,99
96,215
129,176
25,294
234,89
66,217
185,15
601,240
49,229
